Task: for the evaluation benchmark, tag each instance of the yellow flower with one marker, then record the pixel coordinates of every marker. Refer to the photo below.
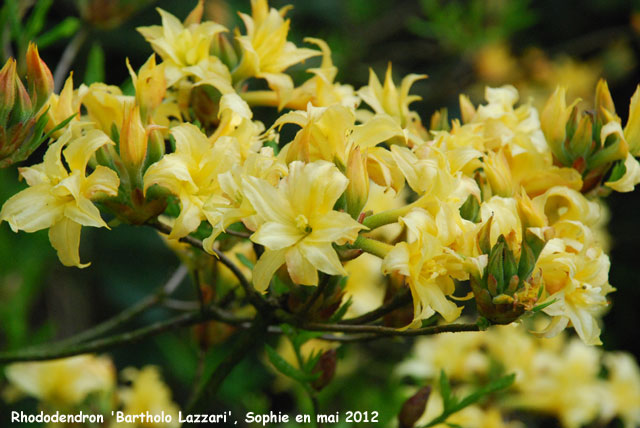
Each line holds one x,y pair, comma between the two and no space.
180,46
64,382
299,223
147,393
575,273
59,199
266,53
388,100
428,263
191,173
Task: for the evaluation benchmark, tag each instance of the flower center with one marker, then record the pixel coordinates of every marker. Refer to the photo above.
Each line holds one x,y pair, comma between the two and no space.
302,223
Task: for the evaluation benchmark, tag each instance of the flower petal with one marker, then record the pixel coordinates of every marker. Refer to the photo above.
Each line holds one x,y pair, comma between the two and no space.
300,269
33,209
65,238
265,267
276,236
323,257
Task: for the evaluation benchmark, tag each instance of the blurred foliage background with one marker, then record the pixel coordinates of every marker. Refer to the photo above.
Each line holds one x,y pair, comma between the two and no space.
461,45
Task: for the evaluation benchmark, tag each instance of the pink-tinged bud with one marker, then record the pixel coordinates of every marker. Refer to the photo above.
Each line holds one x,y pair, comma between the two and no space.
39,78
23,108
413,408
133,139
7,89
326,366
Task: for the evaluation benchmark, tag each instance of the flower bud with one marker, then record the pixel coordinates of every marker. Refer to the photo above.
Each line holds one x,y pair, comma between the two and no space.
357,192
553,121
413,408
632,128
7,90
326,367
506,287
133,139
39,78
604,103
150,85
22,109
440,120
467,110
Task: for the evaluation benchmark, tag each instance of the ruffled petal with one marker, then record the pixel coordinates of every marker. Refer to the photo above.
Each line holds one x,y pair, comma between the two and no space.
65,238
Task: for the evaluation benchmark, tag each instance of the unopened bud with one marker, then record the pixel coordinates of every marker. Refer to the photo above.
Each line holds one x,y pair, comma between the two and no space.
413,408
440,120
133,139
150,85
467,110
603,102
632,128
23,108
39,78
326,366
357,192
7,89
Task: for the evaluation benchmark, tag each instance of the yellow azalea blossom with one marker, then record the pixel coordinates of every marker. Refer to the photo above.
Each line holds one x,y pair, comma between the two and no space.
562,203
60,199
150,85
387,99
65,382
365,284
147,393
105,106
191,173
299,224
329,133
429,265
236,121
266,53
231,206
180,46
321,90
575,273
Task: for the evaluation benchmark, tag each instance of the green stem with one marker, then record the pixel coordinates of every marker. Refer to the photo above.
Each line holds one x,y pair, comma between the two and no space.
390,216
372,246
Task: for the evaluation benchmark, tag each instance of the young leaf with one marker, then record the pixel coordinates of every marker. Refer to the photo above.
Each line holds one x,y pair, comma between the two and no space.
287,369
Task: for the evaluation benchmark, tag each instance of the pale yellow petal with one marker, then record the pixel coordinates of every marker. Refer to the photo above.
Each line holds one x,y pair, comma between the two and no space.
276,236
101,180
300,269
80,150
333,226
265,267
32,209
84,212
266,200
65,238
323,257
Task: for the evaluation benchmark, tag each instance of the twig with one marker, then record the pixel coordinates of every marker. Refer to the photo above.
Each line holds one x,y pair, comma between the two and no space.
68,55
252,295
388,331
98,345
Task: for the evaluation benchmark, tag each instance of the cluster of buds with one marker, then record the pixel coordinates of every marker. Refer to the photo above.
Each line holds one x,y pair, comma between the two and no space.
507,287
591,142
22,118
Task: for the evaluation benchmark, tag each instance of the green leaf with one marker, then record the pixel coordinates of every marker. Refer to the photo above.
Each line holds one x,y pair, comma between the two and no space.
543,305
95,65
37,18
287,369
337,316
66,28
617,171
497,385
448,399
470,210
244,260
